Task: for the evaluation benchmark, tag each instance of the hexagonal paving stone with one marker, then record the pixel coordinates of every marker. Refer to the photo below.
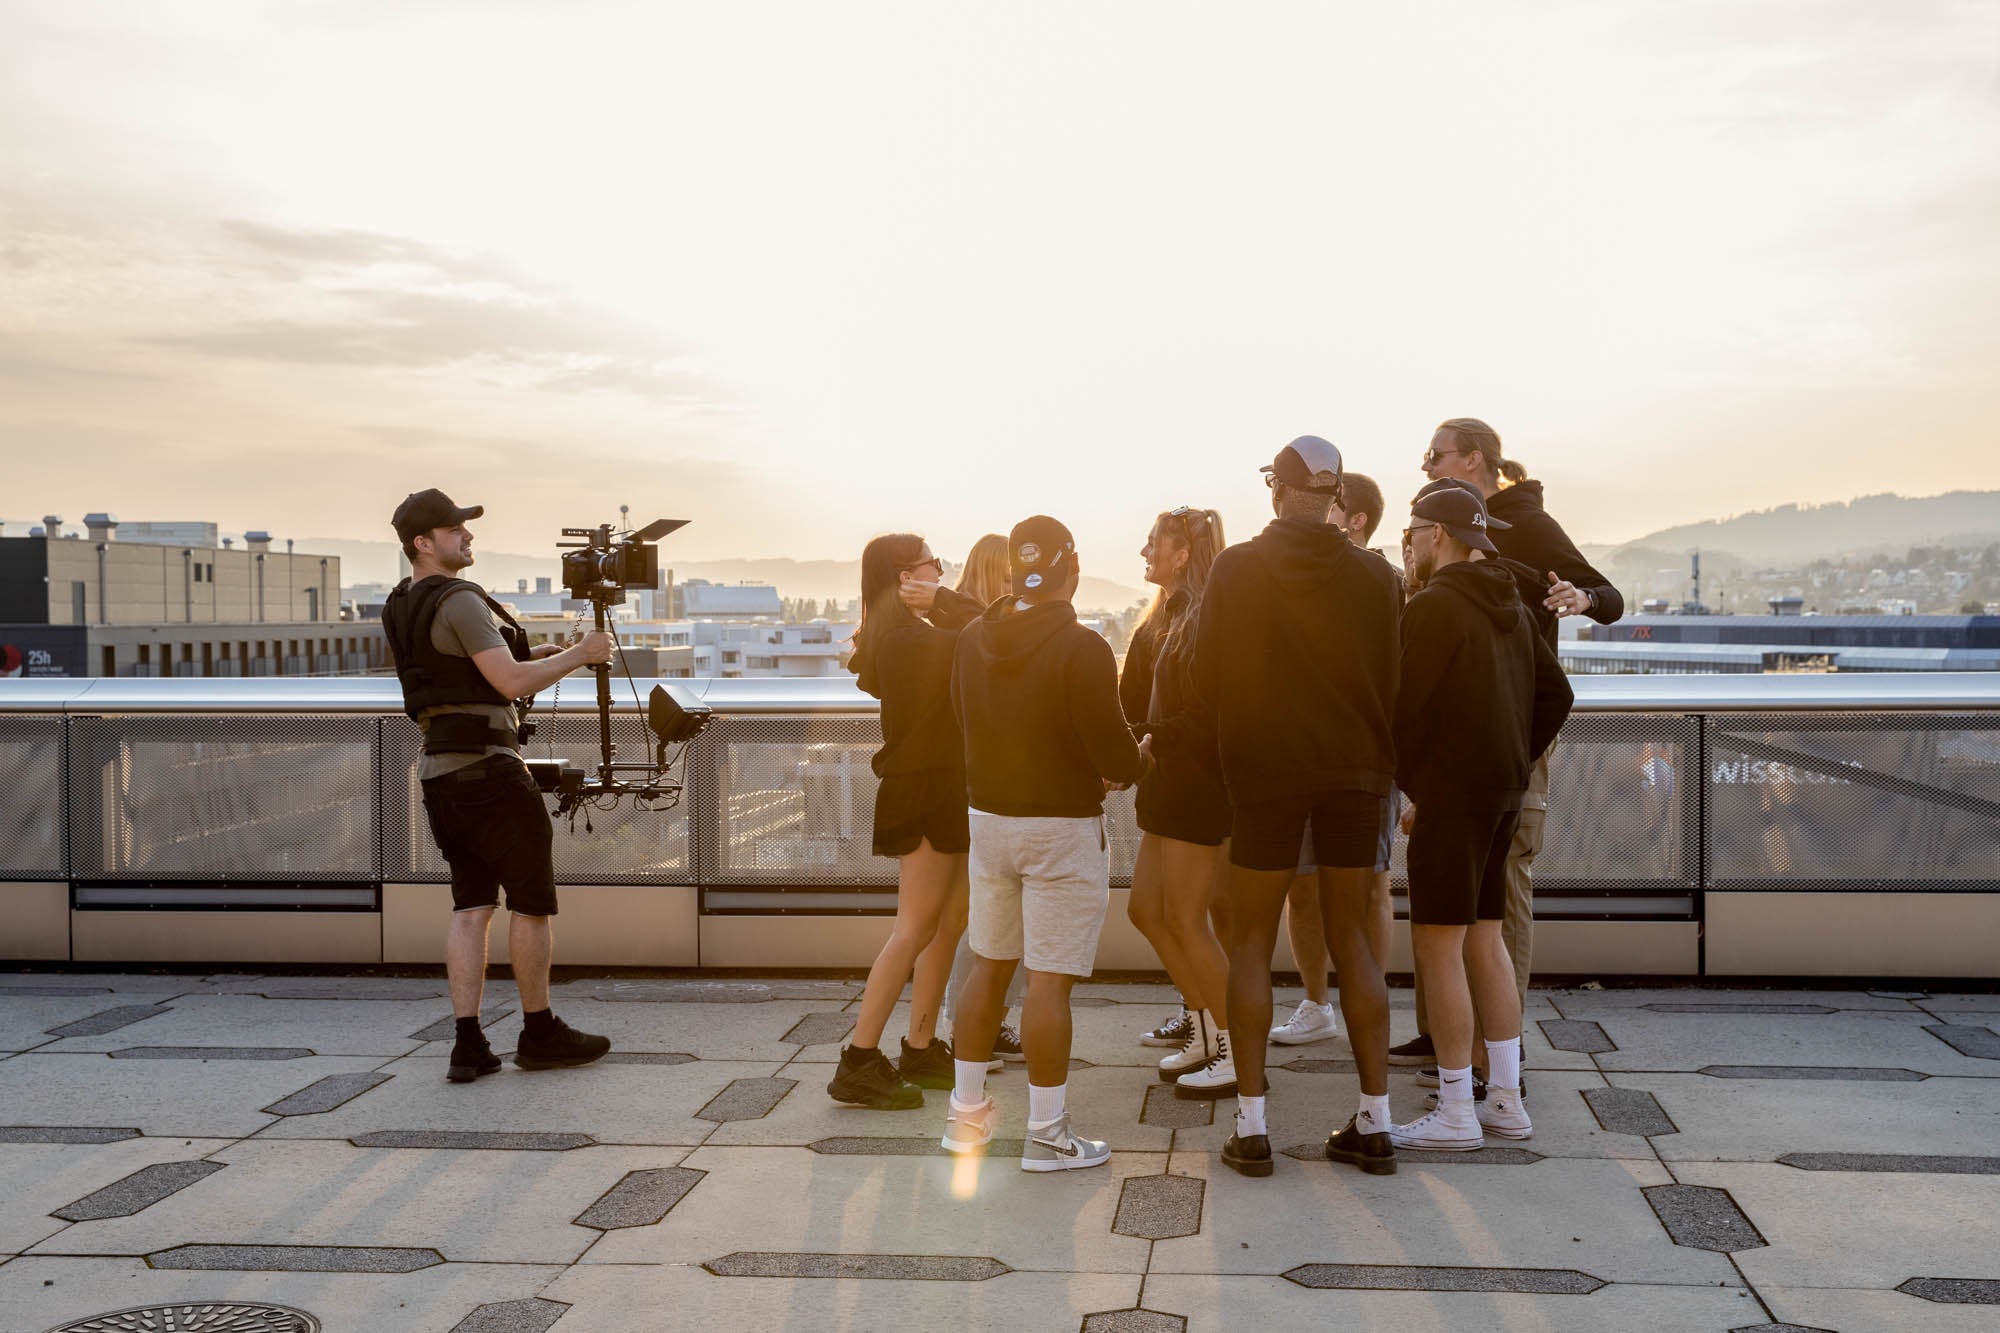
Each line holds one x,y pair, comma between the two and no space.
1702,1217
1159,1207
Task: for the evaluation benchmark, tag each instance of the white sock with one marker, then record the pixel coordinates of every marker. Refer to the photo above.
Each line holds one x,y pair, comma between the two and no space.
1503,1063
1455,1085
1325,1006
1045,1105
1249,1116
1373,1114
969,1087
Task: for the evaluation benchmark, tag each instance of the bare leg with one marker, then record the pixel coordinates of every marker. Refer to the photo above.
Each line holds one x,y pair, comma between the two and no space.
1441,956
1257,898
465,959
933,969
1045,1028
1491,975
1383,920
976,1021
1348,910
1188,876
1302,922
923,884
531,945
1148,912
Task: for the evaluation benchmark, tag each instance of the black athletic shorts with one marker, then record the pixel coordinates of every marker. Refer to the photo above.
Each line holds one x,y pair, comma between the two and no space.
1458,865
1385,843
910,807
1346,826
1184,799
493,828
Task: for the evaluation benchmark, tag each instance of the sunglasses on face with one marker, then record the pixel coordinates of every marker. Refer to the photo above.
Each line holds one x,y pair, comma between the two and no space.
1413,529
1432,456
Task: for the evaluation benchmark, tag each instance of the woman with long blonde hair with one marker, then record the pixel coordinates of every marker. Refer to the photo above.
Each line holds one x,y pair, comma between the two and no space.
1182,806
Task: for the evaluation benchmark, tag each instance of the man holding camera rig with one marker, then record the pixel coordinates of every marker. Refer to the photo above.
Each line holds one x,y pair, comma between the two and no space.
463,663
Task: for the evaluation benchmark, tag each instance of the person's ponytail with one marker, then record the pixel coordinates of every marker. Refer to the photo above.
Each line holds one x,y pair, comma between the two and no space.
1514,472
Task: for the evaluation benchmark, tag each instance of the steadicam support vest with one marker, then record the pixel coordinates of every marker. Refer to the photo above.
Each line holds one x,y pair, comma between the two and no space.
433,679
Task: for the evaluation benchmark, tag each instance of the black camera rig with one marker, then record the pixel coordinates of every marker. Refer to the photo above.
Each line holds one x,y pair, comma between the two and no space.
598,570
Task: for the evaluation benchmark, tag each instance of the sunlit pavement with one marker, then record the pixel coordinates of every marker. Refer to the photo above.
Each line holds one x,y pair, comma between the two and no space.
1702,1159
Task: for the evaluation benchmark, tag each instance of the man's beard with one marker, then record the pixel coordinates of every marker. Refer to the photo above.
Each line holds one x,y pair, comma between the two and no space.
1421,569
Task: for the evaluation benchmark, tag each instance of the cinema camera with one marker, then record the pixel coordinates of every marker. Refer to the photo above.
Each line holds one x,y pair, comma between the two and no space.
599,569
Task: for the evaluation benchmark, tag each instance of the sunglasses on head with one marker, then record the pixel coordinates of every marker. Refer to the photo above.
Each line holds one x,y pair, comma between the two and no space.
1191,518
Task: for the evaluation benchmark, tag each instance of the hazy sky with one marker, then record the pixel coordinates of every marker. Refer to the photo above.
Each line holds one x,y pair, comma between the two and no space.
805,272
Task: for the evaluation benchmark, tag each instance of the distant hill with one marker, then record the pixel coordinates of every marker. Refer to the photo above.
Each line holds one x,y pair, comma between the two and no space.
1793,535
376,562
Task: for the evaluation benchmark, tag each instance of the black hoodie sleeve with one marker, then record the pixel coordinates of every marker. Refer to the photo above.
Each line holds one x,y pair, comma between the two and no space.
954,610
1135,682
1090,683
1554,551
1211,633
1553,699
1430,641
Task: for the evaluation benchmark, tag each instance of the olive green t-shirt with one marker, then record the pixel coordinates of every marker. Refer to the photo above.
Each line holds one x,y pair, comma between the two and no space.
464,626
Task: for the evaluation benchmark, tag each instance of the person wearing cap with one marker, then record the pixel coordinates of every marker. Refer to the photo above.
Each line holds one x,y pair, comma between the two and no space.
463,662
1560,583
1481,699
1295,655
1036,695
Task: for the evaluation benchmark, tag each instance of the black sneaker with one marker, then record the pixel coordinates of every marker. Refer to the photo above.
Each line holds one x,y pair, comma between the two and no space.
1173,1032
1251,1155
1008,1044
1418,1050
866,1078
470,1059
927,1066
559,1046
1373,1153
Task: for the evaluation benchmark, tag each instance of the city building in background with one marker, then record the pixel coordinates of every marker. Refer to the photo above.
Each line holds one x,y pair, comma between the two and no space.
92,603
1788,640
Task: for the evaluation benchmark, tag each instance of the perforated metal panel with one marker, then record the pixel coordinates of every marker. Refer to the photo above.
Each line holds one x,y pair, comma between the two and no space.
32,842
223,798
621,846
1854,801
792,801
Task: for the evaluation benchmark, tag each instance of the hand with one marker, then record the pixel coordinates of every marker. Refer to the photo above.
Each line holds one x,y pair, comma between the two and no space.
918,595
1146,749
1409,819
597,646
1565,598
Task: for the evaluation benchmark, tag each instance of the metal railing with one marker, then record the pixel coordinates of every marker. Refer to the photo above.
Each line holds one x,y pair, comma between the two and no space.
303,793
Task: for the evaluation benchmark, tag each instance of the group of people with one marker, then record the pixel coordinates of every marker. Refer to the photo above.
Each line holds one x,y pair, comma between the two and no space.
1284,704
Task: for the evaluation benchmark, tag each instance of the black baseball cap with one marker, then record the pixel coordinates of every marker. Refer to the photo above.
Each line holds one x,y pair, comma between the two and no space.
1039,550
1461,510
424,511
1307,464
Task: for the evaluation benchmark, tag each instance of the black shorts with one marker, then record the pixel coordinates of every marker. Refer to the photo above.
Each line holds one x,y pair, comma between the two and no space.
493,828
1458,865
1346,826
1385,843
913,807
1185,800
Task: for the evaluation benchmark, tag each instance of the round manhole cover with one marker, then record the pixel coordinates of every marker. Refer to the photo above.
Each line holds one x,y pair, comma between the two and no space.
197,1318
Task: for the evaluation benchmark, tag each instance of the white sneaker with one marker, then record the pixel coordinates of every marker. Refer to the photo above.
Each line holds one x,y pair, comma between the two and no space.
1503,1114
1197,1051
1216,1078
968,1129
1054,1148
1309,1022
1453,1129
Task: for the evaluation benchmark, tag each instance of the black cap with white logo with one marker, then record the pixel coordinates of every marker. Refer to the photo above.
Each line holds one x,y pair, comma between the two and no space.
1460,510
1039,550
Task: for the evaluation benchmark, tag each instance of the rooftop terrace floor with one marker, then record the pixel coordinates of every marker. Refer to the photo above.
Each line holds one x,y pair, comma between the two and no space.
1702,1159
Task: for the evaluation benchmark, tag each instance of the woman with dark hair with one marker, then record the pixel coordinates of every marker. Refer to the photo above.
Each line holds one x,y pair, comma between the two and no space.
1182,806
903,657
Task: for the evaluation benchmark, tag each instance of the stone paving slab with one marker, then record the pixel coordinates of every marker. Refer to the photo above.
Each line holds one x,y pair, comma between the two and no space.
1446,1215
1853,1309
488,1207
1104,1104
38,1179
1272,1303
431,1300
25,1020
1592,1004
1673,1042
1826,1229
616,1299
893,1205
160,1097
639,1104
1946,1002
1756,1120
738,1032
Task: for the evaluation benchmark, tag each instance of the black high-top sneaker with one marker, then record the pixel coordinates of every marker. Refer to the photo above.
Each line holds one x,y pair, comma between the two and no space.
470,1059
558,1046
866,1078
928,1066
1371,1151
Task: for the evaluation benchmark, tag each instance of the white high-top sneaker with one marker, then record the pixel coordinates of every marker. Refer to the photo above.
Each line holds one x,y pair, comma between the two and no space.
1451,1128
1197,1051
1502,1113
1216,1078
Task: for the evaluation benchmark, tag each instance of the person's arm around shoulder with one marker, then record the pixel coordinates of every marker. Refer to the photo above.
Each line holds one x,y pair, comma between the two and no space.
1090,672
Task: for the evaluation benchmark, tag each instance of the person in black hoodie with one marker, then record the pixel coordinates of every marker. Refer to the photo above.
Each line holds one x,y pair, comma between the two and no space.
1296,657
1036,694
1561,583
1482,698
905,661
